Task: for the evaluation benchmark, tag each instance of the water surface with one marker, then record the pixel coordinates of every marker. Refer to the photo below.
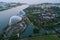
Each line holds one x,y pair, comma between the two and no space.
5,15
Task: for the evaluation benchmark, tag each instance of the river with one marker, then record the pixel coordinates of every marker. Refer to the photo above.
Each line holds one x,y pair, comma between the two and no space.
6,14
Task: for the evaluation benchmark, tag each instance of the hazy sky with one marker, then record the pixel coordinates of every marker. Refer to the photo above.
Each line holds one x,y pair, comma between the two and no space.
32,1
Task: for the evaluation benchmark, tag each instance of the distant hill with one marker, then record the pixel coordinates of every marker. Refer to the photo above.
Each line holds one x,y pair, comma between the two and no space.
3,3
51,3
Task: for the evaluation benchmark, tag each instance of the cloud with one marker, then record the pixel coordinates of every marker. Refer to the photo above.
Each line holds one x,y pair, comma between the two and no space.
32,1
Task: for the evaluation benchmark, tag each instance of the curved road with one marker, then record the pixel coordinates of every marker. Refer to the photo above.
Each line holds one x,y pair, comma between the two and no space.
5,15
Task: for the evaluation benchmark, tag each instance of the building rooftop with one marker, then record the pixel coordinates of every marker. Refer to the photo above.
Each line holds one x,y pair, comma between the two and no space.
15,19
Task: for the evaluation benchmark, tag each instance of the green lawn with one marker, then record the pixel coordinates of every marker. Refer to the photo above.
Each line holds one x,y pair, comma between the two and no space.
46,38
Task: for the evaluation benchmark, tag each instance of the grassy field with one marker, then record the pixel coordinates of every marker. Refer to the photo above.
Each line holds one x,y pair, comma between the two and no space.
46,38
43,38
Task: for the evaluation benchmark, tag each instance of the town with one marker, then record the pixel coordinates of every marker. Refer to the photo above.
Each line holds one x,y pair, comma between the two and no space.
30,21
